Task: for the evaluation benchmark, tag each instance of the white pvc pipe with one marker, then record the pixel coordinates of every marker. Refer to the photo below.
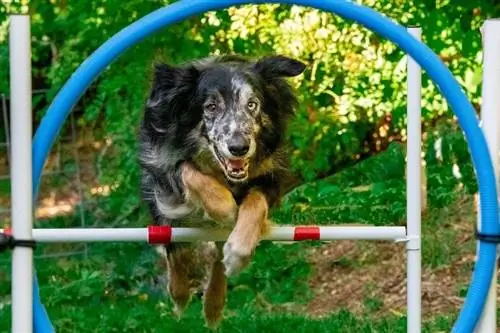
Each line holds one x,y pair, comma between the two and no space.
287,234
490,124
68,235
22,222
81,235
413,191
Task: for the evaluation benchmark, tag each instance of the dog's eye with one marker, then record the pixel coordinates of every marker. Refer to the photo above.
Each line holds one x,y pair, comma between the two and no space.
211,107
252,105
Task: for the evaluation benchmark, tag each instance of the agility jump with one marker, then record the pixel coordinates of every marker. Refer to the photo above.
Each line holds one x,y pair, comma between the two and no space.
25,299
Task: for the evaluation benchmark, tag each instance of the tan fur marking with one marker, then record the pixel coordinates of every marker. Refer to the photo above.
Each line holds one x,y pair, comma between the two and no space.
215,295
265,167
268,166
251,225
252,221
206,191
179,284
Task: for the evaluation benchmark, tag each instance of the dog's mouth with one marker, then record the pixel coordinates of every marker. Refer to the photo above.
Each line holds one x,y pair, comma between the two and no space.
235,169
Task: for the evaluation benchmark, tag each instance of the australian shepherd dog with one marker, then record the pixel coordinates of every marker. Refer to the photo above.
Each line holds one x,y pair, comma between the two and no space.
212,155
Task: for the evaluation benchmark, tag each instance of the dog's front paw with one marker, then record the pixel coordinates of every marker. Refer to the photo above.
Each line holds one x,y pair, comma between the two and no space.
236,257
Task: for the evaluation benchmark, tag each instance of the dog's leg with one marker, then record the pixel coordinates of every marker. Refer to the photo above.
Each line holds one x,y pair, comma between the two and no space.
180,264
251,225
215,292
217,201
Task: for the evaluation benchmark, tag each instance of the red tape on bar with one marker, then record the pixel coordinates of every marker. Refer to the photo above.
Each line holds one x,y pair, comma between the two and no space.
159,234
306,233
7,231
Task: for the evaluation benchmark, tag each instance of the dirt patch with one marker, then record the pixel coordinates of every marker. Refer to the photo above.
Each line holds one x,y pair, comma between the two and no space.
370,278
346,277
65,182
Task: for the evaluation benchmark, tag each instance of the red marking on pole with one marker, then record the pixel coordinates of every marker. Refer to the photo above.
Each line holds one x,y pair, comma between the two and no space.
306,233
7,231
159,234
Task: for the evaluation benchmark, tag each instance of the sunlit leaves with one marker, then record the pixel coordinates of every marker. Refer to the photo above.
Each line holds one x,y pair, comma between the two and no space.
354,79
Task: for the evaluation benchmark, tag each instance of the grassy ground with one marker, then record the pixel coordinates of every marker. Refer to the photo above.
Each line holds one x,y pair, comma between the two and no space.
300,287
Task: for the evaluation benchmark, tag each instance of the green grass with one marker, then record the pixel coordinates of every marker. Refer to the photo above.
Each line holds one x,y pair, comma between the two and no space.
128,315
4,187
114,290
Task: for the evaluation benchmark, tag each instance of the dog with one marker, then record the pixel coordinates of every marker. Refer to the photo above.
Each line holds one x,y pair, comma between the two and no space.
213,155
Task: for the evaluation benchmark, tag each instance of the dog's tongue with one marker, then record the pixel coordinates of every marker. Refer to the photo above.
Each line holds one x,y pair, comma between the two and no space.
236,163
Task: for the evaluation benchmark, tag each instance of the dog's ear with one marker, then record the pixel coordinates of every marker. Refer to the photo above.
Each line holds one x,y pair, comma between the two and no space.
279,66
170,82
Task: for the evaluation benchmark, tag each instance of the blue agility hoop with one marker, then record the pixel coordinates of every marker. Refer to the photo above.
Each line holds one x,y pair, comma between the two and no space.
439,73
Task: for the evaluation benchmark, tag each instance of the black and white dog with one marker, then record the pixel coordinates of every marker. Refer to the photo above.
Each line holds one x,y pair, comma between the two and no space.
212,154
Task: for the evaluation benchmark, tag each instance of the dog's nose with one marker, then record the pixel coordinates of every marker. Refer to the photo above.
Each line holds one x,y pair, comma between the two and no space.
239,145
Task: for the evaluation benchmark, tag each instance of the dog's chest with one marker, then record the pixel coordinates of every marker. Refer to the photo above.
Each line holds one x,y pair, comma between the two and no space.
198,218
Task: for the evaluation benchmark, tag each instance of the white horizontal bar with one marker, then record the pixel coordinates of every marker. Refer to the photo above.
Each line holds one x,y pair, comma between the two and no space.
74,235
363,233
65,235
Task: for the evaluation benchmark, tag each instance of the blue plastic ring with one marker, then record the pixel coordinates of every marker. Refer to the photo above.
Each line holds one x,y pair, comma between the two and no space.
442,77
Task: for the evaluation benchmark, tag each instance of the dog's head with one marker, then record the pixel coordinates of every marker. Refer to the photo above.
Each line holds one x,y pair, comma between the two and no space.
239,106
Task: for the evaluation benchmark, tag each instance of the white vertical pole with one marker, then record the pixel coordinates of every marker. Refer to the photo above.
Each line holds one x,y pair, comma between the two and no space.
413,191
22,221
490,122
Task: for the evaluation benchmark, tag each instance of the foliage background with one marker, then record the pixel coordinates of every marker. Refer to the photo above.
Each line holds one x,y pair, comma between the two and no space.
352,94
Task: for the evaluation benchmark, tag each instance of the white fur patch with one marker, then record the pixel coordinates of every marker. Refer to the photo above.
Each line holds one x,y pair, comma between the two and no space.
172,211
159,130
233,126
162,251
243,89
234,259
